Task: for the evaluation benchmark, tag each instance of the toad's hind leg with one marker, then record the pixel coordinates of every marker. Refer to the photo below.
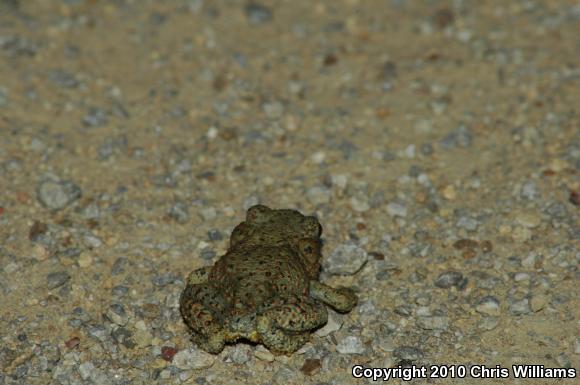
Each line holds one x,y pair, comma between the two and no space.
201,306
284,327
342,299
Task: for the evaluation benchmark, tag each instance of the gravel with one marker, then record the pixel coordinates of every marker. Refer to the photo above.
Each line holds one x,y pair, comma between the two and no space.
448,195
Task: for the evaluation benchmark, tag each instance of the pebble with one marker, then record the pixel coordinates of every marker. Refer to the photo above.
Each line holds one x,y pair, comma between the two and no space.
334,323
488,323
95,117
519,307
449,279
557,210
449,192
273,109
460,137
258,13
92,241
63,78
91,211
56,195
528,219
179,212
11,267
346,259
433,322
164,279
86,370
240,354
263,354
359,205
350,345
529,191
488,305
577,346
215,235
409,353
468,223
426,149
563,360
208,213
318,195
57,279
403,310
119,290
193,358
284,375
397,209
85,260
521,277
142,338
385,343
531,260
117,314
538,302
311,366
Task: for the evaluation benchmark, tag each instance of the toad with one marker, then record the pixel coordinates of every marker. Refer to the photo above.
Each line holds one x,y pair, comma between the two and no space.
265,289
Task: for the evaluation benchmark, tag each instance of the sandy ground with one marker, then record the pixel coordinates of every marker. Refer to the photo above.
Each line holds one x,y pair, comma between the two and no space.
438,143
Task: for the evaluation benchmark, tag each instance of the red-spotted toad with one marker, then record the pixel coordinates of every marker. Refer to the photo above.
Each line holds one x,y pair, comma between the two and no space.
265,288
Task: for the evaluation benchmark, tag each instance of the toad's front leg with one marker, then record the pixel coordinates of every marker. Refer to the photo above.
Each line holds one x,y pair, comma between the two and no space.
286,324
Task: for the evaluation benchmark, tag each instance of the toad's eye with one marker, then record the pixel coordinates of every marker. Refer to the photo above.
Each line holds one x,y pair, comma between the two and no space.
308,247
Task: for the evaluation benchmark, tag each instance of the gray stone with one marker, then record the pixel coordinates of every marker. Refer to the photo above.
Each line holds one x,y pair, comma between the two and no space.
215,235
273,109
258,13
63,78
468,223
95,117
519,307
529,191
240,354
318,195
179,212
345,259
56,195
460,137
449,279
397,209
408,353
284,375
57,279
488,305
488,323
334,323
350,345
433,322
86,370
193,358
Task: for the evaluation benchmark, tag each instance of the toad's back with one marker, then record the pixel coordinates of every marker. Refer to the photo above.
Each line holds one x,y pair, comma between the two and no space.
252,277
